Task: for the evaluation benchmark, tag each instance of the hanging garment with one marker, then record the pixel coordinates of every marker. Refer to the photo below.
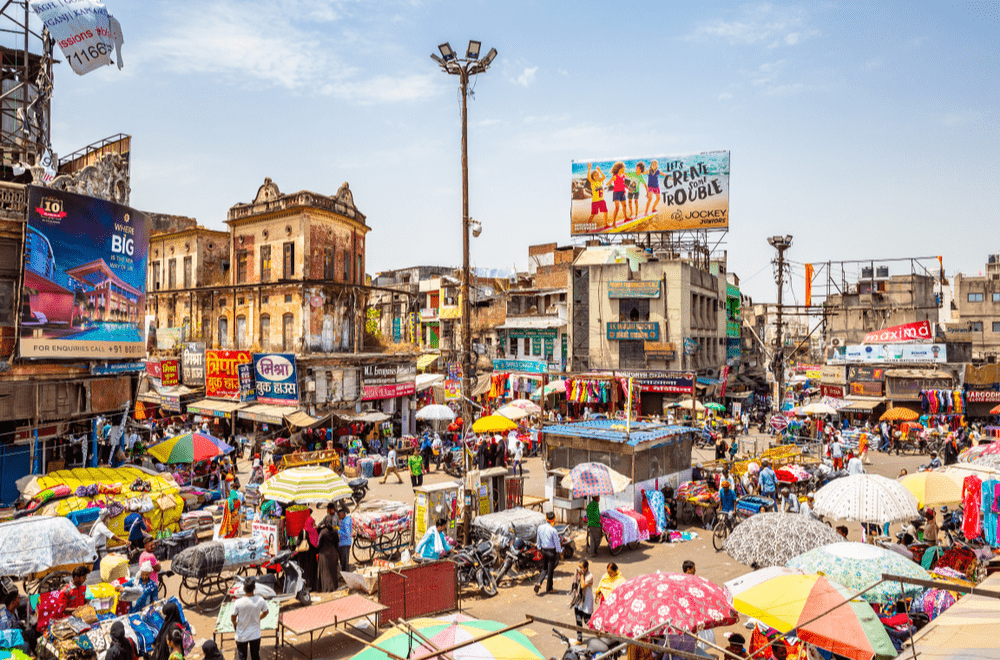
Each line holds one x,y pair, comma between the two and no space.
989,515
972,495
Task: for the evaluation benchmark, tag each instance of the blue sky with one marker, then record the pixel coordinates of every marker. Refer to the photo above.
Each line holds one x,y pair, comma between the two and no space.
864,129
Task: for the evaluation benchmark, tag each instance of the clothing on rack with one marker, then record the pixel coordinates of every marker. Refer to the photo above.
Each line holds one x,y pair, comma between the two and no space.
972,495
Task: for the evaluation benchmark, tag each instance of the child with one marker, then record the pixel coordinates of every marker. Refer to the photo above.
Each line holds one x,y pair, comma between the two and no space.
635,179
597,204
176,641
618,191
652,186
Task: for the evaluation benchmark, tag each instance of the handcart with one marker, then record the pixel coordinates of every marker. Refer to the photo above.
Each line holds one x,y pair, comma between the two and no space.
207,569
381,530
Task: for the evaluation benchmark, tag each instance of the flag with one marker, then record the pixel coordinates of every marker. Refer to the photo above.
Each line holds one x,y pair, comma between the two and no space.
809,284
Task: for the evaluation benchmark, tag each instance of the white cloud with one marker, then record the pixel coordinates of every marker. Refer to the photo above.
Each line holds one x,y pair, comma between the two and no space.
562,72
261,44
759,24
785,90
724,96
527,76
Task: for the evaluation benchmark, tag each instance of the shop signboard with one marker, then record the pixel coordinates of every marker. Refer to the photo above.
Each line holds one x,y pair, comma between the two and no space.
890,353
452,389
267,532
397,330
248,392
153,369
84,287
907,332
167,339
521,366
832,391
170,402
530,333
193,363
860,373
867,388
692,192
634,289
656,350
276,378
910,388
633,330
222,377
831,374
169,373
388,381
982,396
113,368
670,382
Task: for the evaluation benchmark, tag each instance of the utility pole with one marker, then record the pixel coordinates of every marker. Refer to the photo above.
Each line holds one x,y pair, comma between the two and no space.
780,243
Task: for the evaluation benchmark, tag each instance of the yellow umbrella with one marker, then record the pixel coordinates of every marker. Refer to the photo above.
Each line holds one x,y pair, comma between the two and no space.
493,424
933,488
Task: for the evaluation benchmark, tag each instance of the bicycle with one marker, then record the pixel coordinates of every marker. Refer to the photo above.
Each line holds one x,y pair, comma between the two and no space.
723,528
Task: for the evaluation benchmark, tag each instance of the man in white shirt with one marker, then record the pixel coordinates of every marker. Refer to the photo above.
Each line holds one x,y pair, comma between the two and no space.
518,463
390,466
248,612
805,508
101,535
854,465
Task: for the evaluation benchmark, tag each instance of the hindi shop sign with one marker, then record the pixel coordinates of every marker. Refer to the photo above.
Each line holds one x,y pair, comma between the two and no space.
169,373
193,363
222,377
633,330
634,289
919,331
277,381
388,381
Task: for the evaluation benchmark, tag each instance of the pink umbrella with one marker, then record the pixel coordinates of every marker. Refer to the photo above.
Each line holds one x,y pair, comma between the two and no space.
792,474
688,602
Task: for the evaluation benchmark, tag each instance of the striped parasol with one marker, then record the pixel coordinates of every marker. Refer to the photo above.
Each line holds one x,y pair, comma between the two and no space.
420,637
188,448
312,484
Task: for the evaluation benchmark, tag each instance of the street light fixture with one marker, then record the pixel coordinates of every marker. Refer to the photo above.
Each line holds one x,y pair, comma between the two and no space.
465,69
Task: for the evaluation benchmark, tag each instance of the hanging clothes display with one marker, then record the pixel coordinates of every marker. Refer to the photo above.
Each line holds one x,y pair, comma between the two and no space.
989,508
950,402
972,495
583,390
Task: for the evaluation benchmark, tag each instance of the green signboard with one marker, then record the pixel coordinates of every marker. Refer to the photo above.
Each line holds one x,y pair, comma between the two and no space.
634,289
634,330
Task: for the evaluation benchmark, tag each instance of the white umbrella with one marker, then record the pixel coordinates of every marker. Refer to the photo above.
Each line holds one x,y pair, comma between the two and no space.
817,409
686,404
866,498
512,413
526,405
436,413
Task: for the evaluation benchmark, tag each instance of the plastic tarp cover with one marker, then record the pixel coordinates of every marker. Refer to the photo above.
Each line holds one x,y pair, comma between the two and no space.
200,561
39,543
524,522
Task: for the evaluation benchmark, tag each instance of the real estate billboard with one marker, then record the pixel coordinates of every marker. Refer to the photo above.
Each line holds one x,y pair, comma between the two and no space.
84,292
664,193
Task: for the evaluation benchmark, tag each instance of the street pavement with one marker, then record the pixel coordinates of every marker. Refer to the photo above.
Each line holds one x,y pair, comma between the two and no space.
514,602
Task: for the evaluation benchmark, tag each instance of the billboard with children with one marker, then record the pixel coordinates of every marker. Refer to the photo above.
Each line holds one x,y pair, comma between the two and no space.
664,193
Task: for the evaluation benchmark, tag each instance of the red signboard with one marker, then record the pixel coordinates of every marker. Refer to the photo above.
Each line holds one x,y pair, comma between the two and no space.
222,378
982,396
390,391
832,391
867,388
169,373
153,369
919,331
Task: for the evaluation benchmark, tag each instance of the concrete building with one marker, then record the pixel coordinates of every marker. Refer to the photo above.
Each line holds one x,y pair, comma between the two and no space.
879,301
975,311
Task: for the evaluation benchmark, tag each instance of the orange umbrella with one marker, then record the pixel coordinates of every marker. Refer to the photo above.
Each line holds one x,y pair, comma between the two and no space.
899,414
995,410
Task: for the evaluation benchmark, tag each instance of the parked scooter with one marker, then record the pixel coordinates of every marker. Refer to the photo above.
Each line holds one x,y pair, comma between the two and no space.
289,576
473,566
588,650
359,488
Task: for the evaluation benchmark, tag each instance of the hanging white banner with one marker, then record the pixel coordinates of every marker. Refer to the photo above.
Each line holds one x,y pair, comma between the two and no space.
81,28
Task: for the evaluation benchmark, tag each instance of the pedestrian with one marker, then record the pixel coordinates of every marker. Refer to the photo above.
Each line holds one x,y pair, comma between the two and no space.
209,651
416,470
176,641
148,556
734,647
609,582
328,557
551,547
345,530
121,647
438,451
767,481
434,544
425,451
582,599
930,527
854,465
806,507
137,527
171,621
688,567
594,530
148,590
305,552
391,467
248,612
101,535
518,463
837,453
788,503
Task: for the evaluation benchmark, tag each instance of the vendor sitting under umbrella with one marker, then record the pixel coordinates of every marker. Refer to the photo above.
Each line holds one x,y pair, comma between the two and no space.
145,585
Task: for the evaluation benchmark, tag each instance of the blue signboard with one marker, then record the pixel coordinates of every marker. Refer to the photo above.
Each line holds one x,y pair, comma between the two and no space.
523,366
116,368
277,381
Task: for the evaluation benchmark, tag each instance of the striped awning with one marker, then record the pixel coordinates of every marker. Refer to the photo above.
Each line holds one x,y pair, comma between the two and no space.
312,484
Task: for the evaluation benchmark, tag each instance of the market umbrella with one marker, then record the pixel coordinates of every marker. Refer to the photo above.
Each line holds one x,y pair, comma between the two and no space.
590,479
866,498
39,543
989,460
772,539
312,484
493,424
526,405
688,602
717,407
512,413
899,413
859,566
817,409
934,488
436,413
995,410
188,447
821,611
686,405
792,474
445,633
553,388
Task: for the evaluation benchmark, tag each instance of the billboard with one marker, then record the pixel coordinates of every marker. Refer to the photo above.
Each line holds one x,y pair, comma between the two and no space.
193,363
84,30
222,376
84,278
277,381
895,353
921,330
664,193
388,381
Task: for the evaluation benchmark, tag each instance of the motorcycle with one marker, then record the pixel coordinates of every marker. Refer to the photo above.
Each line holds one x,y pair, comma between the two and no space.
359,488
452,461
473,566
594,647
525,557
292,581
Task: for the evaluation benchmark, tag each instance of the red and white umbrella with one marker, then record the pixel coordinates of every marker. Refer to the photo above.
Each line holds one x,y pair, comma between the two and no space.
688,602
526,405
792,474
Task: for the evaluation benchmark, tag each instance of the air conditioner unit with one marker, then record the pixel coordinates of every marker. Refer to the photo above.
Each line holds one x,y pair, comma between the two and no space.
837,341
711,372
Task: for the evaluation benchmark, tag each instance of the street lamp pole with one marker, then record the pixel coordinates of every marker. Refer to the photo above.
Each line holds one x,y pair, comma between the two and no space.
780,243
465,68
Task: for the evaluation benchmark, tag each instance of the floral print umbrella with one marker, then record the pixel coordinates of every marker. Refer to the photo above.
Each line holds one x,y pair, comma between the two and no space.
594,480
858,566
688,602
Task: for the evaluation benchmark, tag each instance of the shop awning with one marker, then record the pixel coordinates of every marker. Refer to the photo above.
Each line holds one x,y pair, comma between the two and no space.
426,381
301,419
214,408
483,385
261,412
927,374
862,405
369,416
425,361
